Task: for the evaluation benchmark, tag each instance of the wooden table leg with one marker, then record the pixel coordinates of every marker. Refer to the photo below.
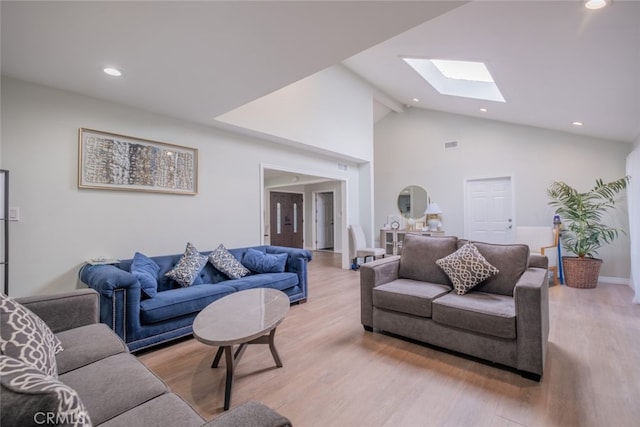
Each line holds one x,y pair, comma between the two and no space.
229,382
231,359
216,359
272,347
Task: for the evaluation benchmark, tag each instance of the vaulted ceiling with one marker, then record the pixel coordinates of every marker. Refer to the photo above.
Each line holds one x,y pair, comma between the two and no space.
555,62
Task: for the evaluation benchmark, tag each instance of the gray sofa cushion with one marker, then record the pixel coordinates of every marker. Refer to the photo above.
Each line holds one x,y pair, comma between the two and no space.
171,409
510,260
113,386
408,296
419,255
489,314
87,344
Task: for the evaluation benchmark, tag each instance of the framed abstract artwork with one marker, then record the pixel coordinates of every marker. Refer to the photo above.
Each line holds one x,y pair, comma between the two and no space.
116,162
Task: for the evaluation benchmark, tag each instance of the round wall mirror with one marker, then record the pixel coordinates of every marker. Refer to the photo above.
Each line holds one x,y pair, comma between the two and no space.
413,201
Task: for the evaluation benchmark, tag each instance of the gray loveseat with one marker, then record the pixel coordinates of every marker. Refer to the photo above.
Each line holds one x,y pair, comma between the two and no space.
98,381
504,319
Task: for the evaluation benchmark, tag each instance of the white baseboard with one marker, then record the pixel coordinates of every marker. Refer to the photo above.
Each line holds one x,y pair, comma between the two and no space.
614,280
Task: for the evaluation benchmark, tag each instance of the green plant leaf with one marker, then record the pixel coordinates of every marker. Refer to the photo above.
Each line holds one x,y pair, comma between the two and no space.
582,214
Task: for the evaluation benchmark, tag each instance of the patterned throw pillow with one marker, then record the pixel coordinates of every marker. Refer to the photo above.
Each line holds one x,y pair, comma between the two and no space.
189,266
146,270
24,336
225,262
466,268
39,396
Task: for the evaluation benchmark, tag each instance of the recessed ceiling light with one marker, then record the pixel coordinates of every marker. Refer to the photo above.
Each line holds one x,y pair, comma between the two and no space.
577,123
595,4
484,110
458,78
416,100
112,72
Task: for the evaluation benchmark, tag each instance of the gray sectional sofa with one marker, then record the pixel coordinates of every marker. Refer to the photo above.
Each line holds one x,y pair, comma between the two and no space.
97,381
503,319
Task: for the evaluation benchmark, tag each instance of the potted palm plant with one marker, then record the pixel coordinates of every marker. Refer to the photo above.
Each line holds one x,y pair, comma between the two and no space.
584,231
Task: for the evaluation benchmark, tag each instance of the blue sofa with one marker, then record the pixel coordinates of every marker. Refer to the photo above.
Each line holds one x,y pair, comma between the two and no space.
142,322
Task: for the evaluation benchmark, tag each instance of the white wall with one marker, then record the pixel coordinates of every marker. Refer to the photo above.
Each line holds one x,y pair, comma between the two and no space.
330,110
633,170
409,149
62,226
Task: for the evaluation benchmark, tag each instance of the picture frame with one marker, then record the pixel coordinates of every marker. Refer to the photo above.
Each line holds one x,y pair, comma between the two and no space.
109,161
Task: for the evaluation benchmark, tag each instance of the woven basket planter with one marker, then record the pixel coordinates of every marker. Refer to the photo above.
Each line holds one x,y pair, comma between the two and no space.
581,272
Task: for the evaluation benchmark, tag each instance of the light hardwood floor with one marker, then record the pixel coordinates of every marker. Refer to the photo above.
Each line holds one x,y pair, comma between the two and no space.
336,374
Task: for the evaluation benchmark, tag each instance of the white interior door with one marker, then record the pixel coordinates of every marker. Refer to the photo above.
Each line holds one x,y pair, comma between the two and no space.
489,210
324,221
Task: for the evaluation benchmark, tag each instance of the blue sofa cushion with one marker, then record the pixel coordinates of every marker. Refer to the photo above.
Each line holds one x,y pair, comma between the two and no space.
181,301
280,281
260,262
189,266
146,271
225,262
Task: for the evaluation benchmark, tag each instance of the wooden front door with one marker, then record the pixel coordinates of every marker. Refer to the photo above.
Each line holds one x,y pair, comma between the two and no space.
286,219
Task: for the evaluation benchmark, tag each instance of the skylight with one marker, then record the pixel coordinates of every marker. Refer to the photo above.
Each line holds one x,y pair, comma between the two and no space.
457,78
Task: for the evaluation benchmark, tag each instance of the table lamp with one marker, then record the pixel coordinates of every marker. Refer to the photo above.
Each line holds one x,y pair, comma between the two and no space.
433,212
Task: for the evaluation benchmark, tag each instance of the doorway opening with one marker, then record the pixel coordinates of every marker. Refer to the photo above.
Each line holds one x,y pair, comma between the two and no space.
324,219
277,179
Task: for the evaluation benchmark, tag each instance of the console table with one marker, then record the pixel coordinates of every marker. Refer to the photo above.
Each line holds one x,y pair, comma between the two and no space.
393,240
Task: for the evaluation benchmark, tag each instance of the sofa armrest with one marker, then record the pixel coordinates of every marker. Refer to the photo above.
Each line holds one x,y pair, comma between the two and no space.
66,310
539,261
531,295
107,278
297,262
374,274
120,297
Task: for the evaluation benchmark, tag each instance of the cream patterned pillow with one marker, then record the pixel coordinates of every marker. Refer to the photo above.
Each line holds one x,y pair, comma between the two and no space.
189,266
40,396
466,268
224,261
24,336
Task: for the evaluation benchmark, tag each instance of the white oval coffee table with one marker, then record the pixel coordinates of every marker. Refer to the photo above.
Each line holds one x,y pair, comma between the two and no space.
245,317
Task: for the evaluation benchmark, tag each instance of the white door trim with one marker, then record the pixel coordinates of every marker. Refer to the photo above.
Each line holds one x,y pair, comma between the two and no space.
314,215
